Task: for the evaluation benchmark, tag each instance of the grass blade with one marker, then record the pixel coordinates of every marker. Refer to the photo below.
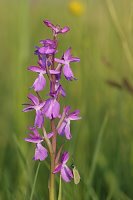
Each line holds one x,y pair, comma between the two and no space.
94,161
34,183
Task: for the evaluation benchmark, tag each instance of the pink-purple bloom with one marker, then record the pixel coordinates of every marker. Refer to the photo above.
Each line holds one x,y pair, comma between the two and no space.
67,59
40,81
52,108
49,47
65,171
64,129
56,29
37,106
40,152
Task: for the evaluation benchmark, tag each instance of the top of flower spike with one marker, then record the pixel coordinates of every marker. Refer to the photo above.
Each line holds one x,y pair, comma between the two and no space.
56,29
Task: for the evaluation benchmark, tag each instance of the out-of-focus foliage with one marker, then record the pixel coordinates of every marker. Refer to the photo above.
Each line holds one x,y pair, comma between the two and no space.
102,37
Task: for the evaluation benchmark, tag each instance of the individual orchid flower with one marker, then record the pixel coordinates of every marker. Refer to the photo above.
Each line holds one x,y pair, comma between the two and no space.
56,29
52,108
40,82
37,106
49,47
40,152
67,58
64,129
65,171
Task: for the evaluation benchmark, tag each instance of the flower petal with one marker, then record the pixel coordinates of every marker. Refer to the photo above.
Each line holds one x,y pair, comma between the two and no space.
56,109
68,72
34,99
75,59
40,152
54,72
49,24
35,137
74,115
51,108
65,29
66,174
59,61
48,42
41,105
29,108
60,90
67,109
39,119
37,69
47,110
33,140
39,83
46,50
61,130
64,157
57,168
67,55
67,131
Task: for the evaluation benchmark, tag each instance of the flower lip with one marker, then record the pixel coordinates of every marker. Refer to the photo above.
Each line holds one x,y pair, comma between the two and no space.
52,108
40,152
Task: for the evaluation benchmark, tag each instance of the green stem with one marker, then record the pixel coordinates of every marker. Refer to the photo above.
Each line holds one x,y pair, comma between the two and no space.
34,183
52,176
52,180
60,190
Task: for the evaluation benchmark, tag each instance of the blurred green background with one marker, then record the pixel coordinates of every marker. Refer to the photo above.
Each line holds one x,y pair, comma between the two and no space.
102,144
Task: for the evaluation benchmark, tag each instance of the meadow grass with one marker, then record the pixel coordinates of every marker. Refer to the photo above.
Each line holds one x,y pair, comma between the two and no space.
102,38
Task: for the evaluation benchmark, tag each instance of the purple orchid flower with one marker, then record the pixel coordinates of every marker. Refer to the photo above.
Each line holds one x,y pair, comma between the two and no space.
40,152
37,106
56,29
64,129
67,58
65,171
40,82
51,108
49,47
